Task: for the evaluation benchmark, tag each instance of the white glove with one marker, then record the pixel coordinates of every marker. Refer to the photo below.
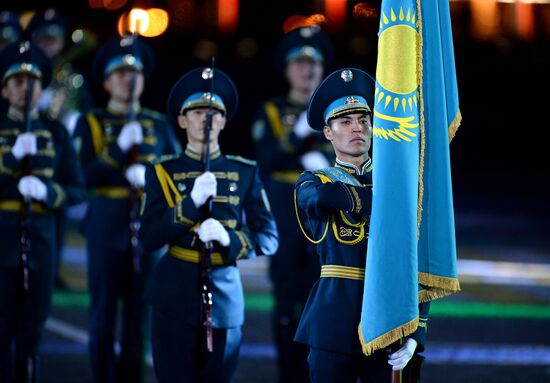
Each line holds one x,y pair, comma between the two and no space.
33,187
25,144
301,127
314,160
213,230
204,187
135,174
401,357
131,134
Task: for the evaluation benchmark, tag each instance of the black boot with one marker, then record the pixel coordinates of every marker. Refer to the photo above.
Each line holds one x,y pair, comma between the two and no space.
26,370
102,358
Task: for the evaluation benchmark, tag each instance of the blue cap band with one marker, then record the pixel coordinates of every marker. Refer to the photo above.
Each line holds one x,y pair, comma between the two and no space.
8,33
202,100
126,61
27,68
304,51
50,30
346,105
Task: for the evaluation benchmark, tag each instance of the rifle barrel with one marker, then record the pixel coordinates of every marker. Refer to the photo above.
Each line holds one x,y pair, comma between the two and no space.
26,206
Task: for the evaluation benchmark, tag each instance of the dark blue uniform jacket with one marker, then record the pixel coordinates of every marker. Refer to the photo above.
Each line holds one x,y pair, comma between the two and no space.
57,166
336,216
107,219
169,217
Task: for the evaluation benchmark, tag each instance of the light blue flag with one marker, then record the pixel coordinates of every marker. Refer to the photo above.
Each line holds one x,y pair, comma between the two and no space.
415,80
440,120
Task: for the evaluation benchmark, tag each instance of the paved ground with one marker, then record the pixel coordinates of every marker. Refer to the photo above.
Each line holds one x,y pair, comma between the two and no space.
494,331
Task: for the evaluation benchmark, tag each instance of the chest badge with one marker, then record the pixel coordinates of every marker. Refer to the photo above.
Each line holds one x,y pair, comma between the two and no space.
109,130
233,187
181,187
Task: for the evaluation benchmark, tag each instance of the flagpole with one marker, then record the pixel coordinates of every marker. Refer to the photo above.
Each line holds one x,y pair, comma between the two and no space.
396,375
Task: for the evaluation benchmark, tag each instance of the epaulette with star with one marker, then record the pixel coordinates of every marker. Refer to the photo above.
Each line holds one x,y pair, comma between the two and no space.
164,158
153,114
241,159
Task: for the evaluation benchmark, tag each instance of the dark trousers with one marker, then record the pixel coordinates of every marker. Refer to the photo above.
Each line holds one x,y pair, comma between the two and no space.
331,367
22,319
111,280
60,227
180,355
294,269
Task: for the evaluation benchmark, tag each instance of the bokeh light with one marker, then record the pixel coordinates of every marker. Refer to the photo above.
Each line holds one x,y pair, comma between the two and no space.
151,22
158,22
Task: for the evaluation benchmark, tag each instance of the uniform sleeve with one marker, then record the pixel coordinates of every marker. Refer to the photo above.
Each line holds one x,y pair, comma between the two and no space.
8,166
420,334
259,235
97,165
318,199
160,223
67,187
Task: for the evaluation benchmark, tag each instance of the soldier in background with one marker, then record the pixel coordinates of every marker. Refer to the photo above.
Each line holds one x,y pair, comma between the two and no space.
67,96
285,146
10,32
10,28
239,225
39,171
113,145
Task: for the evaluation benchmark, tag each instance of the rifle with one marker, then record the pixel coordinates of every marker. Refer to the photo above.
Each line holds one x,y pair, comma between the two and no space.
26,206
206,248
134,197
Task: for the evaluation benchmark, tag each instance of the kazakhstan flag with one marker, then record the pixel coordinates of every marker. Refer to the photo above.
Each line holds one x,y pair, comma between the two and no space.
411,256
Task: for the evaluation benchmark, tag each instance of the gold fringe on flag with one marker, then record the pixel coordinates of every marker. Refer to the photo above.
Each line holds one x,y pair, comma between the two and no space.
436,287
419,69
454,126
388,338
438,281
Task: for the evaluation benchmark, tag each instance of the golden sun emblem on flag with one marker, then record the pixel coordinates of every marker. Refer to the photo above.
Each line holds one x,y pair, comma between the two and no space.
396,93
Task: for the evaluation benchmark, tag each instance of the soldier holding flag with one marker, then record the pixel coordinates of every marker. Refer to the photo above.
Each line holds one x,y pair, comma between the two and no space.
240,226
333,207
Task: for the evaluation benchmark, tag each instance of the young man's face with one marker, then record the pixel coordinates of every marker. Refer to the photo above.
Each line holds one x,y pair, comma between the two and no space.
350,135
118,84
15,88
194,123
304,74
51,45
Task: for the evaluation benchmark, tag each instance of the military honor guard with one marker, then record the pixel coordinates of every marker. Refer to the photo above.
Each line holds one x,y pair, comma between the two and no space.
39,174
333,207
65,98
113,145
211,210
285,146
10,32
68,95
10,28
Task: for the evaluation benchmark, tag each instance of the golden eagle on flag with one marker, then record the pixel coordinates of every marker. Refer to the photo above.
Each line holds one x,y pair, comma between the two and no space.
411,255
